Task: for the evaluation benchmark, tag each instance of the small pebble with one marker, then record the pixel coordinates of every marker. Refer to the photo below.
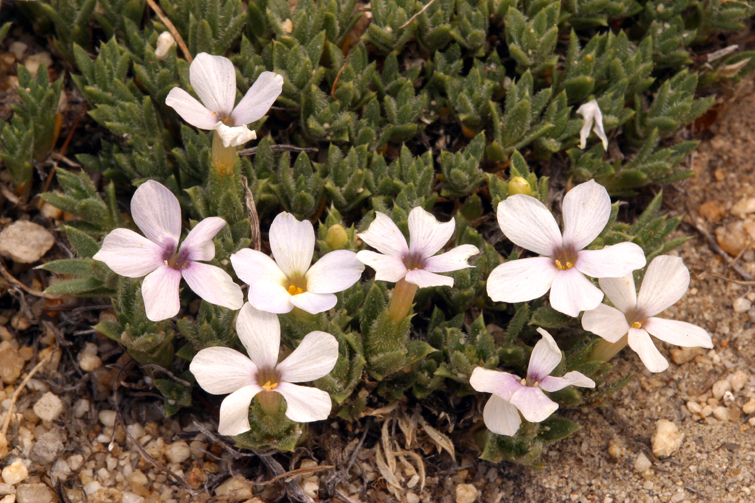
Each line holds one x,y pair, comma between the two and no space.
128,497
667,438
721,413
751,421
11,364
738,381
642,463
466,493
749,407
49,407
25,242
742,305
35,493
88,362
107,418
178,452
720,387
80,408
15,472
694,407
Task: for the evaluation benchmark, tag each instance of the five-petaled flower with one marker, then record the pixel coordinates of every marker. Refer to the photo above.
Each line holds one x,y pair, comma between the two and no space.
564,262
593,116
414,263
633,316
156,212
279,285
511,392
214,80
221,370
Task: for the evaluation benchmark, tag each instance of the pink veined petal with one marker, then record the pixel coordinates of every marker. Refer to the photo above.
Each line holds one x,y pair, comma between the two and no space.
544,358
214,285
452,260
501,417
499,383
314,303
234,411
334,272
572,378
533,404
252,265
572,293
156,212
384,235
292,243
214,80
305,404
234,136
191,110
198,244
160,293
312,359
679,333
258,99
620,291
526,222
586,210
270,297
387,268
130,254
521,280
639,340
425,279
221,370
665,282
260,333
426,235
607,322
611,262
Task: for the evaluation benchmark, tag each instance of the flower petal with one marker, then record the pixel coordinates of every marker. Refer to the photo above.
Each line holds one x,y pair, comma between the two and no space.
620,291
214,80
198,244
452,260
572,378
665,282
639,340
191,110
592,114
314,303
499,383
160,293
521,280
258,99
387,268
270,297
292,243
252,265
607,322
426,235
334,272
384,235
156,212
544,357
425,279
312,359
260,333
612,261
130,254
214,285
305,404
586,210
234,136
572,293
501,417
221,370
679,333
234,411
526,222
534,405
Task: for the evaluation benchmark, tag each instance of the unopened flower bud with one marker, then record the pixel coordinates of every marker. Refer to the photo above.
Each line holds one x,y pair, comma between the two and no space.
336,237
164,42
519,185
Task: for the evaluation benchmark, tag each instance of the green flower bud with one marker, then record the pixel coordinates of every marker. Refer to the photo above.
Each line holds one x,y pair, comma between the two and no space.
336,237
519,185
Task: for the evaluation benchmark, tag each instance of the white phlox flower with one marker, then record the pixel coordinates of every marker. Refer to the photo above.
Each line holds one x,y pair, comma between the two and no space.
156,212
510,392
665,282
214,80
279,285
564,262
593,119
221,370
164,42
416,263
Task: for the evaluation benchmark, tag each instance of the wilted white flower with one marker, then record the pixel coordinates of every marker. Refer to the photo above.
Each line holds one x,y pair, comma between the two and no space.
593,116
164,42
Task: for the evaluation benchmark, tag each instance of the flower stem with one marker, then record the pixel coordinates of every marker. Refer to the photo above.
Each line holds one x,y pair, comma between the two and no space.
223,158
270,401
401,301
604,350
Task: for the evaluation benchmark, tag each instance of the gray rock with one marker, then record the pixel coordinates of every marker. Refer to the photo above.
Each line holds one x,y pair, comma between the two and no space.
47,448
35,493
25,242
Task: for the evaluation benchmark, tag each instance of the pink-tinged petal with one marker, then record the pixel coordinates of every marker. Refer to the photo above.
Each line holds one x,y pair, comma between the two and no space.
533,404
620,291
586,210
258,99
572,378
387,268
544,358
314,303
312,359
221,370
425,279
426,235
526,222
214,285
270,297
384,235
611,262
501,417
521,280
234,136
292,243
252,265
198,244
639,340
214,80
191,110
572,293
334,272
607,322
260,333
678,333
665,282
160,293
305,404
452,260
157,213
130,254
501,384
234,411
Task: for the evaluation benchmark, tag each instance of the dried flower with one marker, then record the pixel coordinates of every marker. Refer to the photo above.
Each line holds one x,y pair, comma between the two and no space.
593,116
164,42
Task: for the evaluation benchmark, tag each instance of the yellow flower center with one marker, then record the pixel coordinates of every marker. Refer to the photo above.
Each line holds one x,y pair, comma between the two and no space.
294,290
637,324
270,386
563,267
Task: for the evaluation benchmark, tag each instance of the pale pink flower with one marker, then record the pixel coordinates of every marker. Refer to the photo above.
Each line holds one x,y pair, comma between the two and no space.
510,392
564,262
665,282
593,116
156,212
221,370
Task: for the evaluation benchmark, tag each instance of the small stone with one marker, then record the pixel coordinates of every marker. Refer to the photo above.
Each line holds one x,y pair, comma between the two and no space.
694,407
18,49
33,62
642,463
738,380
7,489
88,362
10,498
615,451
667,438
11,365
311,486
128,497
742,305
136,430
751,421
412,498
721,413
237,488
685,355
720,387
60,470
107,418
712,211
749,407
49,407
92,487
732,238
47,448
466,493
15,472
80,408
48,210
647,485
178,452
744,206
35,493
25,242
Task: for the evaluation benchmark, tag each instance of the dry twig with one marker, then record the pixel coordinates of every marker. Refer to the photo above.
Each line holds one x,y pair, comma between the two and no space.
21,388
416,15
254,218
278,148
695,222
9,277
171,29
